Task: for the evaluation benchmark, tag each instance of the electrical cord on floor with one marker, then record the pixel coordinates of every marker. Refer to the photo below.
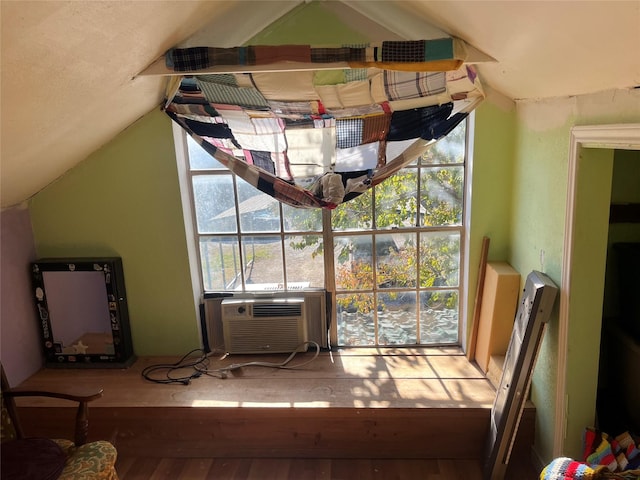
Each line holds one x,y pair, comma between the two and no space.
150,373
200,366
223,371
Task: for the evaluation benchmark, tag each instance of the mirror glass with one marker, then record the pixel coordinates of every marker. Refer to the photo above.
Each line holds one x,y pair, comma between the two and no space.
79,312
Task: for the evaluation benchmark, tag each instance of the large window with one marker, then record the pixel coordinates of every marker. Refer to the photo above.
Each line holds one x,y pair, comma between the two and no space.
391,257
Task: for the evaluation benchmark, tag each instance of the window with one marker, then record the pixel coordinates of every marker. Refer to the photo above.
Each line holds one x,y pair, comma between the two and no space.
391,257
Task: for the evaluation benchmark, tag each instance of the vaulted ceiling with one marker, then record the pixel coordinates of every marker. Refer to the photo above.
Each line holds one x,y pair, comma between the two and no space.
70,69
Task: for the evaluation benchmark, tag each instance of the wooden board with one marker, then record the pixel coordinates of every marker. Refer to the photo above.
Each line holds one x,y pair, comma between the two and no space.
471,349
499,303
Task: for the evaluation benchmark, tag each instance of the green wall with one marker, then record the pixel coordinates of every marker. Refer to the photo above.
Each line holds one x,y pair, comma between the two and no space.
124,201
537,238
491,186
309,23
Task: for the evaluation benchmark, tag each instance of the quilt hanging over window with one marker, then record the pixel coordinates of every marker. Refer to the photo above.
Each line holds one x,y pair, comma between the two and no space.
336,122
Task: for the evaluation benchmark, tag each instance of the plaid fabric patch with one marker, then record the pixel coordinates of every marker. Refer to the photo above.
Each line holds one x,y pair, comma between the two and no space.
407,51
405,85
212,107
355,74
185,59
268,125
349,132
403,51
219,78
221,93
199,58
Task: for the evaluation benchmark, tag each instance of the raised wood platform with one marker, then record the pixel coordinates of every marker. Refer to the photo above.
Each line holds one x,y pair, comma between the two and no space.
355,403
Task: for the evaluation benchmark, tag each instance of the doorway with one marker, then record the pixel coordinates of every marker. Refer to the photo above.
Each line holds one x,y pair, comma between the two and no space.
583,272
620,334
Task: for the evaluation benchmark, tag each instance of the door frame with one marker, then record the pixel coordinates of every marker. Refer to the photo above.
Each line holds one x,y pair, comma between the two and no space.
617,137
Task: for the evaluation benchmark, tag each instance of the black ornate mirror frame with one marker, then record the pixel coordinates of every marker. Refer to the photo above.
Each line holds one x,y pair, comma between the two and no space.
121,353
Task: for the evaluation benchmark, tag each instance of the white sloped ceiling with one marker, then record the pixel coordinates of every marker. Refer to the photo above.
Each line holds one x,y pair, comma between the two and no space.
70,69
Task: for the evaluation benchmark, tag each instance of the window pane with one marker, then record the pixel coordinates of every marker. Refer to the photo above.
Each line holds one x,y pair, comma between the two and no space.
355,319
449,149
396,247
396,200
354,262
439,317
220,258
305,261
396,259
214,203
302,219
259,212
397,318
263,262
199,158
439,259
441,196
354,214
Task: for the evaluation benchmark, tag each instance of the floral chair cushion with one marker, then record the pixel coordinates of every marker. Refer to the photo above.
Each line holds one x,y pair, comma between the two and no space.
95,461
91,461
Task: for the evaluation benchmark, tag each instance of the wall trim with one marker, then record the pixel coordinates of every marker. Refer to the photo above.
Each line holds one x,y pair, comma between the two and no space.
615,136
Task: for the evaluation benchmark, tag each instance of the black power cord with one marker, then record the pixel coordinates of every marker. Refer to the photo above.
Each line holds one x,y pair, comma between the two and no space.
168,368
200,366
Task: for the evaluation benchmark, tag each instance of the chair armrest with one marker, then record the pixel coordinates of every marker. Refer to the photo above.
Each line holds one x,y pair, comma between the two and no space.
82,422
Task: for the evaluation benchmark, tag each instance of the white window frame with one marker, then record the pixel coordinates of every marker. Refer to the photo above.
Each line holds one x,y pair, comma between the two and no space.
187,197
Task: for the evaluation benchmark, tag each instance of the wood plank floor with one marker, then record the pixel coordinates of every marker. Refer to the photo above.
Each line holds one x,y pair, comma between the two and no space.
140,468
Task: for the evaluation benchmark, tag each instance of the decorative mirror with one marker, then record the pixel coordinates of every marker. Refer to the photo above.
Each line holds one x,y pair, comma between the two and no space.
82,311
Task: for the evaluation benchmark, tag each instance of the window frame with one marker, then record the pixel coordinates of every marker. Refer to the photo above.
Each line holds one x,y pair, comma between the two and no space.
185,175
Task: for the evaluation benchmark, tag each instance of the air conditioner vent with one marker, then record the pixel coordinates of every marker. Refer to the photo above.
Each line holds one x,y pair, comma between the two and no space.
275,325
222,311
278,309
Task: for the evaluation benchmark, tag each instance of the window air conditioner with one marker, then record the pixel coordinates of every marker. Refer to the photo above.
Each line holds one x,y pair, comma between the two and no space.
273,325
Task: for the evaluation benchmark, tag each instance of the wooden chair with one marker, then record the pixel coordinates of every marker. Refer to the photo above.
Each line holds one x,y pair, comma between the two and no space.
27,458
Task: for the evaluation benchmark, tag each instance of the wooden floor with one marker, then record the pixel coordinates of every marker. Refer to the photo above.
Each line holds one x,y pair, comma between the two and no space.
354,413
307,469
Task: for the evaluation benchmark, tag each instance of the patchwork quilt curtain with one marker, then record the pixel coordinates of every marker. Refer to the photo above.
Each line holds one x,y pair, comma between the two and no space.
321,136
